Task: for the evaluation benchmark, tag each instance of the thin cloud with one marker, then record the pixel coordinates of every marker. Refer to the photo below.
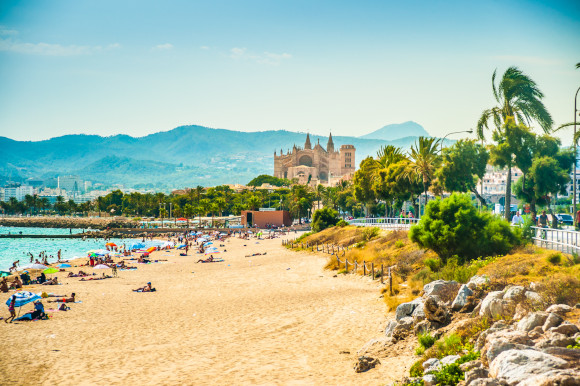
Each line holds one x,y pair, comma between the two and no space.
270,58
526,59
5,31
48,49
163,47
204,47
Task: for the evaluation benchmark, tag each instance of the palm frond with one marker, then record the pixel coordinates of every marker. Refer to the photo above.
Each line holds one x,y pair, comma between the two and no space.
495,94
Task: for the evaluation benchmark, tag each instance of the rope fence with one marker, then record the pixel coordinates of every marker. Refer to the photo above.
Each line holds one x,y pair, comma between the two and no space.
355,266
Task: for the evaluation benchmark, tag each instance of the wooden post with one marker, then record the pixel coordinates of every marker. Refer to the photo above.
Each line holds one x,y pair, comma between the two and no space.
337,262
346,265
355,266
373,270
382,281
316,247
390,282
364,268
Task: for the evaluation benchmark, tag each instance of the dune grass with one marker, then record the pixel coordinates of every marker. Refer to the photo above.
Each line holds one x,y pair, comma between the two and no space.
558,274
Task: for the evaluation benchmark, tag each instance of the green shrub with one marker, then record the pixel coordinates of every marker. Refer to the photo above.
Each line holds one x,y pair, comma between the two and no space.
433,264
449,374
452,374
450,345
324,218
417,369
453,226
341,224
575,346
370,233
399,244
426,340
555,258
527,230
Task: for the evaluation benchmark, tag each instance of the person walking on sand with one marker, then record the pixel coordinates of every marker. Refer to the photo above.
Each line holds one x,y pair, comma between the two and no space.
11,309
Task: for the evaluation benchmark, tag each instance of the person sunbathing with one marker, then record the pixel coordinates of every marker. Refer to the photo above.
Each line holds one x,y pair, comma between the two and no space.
4,285
53,281
208,260
64,300
147,288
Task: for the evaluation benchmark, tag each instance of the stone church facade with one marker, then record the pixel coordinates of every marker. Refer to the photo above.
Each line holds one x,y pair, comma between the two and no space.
316,165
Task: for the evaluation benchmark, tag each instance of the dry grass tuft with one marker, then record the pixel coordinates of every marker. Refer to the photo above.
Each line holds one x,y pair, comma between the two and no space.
557,273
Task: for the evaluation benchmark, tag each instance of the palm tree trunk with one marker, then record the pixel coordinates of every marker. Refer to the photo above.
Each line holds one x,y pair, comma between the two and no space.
508,193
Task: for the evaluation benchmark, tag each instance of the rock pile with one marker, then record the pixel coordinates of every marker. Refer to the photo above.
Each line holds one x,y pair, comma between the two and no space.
524,347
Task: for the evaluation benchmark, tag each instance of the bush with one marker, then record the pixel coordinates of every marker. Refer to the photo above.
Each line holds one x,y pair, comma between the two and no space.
561,289
433,264
450,374
341,224
399,244
371,233
453,226
426,339
324,218
555,258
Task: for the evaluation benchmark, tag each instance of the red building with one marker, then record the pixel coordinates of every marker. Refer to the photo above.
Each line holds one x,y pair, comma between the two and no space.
279,218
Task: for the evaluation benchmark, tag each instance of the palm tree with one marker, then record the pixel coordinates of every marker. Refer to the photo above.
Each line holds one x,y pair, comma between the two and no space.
390,154
423,161
319,193
517,96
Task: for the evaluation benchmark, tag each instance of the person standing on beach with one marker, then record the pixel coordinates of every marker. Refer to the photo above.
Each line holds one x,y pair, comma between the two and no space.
11,309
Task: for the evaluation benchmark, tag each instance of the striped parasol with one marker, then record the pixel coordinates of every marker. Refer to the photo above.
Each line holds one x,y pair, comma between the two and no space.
22,298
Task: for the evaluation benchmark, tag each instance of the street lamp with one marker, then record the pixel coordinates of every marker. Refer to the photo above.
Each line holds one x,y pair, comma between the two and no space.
443,140
455,132
574,143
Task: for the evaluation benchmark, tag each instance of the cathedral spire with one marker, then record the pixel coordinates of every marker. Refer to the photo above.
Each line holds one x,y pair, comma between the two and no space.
330,144
307,145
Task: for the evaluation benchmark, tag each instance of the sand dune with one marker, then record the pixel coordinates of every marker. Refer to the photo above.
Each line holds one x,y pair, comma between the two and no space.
274,319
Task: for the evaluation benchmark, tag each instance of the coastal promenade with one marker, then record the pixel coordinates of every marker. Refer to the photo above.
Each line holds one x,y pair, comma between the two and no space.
278,318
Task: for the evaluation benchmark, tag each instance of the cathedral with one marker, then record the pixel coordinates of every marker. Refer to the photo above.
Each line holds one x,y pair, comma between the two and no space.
316,165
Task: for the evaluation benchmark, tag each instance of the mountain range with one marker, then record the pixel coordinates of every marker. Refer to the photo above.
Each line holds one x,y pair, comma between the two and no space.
184,156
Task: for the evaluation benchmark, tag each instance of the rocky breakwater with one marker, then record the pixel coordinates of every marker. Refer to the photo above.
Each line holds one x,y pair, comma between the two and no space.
528,342
97,223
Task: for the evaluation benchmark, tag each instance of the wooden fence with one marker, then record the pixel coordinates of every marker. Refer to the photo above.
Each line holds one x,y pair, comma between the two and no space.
355,267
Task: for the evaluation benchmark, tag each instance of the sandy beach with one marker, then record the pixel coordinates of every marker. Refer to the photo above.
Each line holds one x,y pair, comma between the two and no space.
272,319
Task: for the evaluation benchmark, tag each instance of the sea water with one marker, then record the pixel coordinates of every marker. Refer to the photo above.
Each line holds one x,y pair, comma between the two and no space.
18,249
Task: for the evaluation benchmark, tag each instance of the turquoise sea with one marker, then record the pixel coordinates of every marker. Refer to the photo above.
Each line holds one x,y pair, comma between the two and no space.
17,249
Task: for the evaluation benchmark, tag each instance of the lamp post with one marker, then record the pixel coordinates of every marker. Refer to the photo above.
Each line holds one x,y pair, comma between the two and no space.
574,143
455,132
443,140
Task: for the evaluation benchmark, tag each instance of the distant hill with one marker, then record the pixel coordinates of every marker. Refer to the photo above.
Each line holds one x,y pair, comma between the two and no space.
184,156
397,131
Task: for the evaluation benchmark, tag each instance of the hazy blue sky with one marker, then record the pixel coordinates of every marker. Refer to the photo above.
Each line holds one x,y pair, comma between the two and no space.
139,67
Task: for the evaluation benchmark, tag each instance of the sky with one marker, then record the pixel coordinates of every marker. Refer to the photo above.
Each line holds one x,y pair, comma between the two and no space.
350,67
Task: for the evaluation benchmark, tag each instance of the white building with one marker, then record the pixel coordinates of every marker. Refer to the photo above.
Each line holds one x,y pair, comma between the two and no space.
494,180
18,192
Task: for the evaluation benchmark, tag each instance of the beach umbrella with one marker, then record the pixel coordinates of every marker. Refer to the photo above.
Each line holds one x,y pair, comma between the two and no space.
34,266
5,273
101,266
50,270
63,265
111,244
181,219
22,298
209,243
212,252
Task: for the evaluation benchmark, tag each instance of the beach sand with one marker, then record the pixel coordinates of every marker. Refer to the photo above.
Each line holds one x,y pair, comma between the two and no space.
273,319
